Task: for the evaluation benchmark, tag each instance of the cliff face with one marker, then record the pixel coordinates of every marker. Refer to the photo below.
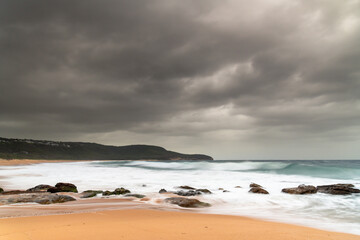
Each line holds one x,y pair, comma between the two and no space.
40,149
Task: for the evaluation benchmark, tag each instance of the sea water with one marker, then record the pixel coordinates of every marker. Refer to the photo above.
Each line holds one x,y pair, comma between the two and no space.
329,212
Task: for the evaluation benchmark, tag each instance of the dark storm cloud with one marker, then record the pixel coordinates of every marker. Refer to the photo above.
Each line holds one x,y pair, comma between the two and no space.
180,68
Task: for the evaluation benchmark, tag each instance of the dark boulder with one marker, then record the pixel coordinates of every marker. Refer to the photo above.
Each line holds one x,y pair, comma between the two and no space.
90,193
238,187
63,187
187,202
204,191
107,193
121,191
162,190
118,191
258,190
1,190
134,195
301,189
39,188
187,193
41,198
338,189
252,185
187,187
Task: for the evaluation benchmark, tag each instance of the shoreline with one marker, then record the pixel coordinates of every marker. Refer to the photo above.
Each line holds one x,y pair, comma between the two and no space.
156,224
19,162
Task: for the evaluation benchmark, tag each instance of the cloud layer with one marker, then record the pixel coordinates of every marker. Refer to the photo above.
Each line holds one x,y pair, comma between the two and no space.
236,79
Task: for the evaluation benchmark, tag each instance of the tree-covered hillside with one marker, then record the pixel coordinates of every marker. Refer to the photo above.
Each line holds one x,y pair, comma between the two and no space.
41,149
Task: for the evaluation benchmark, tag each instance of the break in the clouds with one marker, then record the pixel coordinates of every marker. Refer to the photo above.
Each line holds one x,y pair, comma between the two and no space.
231,78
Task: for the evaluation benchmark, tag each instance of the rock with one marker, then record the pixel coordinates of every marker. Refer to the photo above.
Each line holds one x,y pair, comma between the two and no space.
13,192
187,202
63,187
187,187
1,190
107,193
162,190
238,187
121,191
187,193
97,191
204,191
226,191
118,191
220,188
338,189
39,188
144,185
301,189
41,198
90,193
258,190
255,185
135,195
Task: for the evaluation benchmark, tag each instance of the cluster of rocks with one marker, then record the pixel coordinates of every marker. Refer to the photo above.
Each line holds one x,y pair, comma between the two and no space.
256,188
187,202
190,191
47,194
334,189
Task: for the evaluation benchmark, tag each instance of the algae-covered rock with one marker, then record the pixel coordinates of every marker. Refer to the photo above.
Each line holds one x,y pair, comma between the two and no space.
187,202
301,189
258,190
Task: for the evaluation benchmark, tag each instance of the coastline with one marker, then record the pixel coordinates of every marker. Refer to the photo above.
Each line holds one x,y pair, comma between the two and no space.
18,162
155,224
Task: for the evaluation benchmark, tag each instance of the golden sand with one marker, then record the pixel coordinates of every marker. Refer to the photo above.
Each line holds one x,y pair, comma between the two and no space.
142,224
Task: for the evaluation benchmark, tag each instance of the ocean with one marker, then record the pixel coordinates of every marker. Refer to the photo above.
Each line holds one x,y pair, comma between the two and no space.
323,211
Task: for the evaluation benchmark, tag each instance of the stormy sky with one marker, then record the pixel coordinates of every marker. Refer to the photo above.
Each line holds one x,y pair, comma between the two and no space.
235,79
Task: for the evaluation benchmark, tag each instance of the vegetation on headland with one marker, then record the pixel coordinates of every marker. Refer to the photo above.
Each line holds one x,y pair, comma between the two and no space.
54,150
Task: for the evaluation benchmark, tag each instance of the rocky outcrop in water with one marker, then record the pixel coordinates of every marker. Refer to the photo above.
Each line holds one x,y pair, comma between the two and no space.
134,195
255,185
187,187
40,198
258,190
118,191
301,189
40,188
187,193
162,190
338,189
192,192
90,193
187,202
204,190
63,187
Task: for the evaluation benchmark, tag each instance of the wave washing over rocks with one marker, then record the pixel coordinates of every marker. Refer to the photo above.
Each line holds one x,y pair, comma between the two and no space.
320,194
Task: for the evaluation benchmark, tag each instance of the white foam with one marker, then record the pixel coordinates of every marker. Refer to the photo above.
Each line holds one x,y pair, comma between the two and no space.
336,213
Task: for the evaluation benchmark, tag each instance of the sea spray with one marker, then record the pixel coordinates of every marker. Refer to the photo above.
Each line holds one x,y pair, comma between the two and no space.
337,213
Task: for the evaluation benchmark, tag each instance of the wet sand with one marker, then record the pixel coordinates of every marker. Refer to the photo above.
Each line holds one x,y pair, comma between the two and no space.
142,224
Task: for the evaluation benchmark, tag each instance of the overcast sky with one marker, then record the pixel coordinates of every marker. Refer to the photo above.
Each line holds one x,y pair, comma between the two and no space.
235,79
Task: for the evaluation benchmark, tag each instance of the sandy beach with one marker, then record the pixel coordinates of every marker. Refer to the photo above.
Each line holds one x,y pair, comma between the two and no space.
154,224
16,162
119,218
